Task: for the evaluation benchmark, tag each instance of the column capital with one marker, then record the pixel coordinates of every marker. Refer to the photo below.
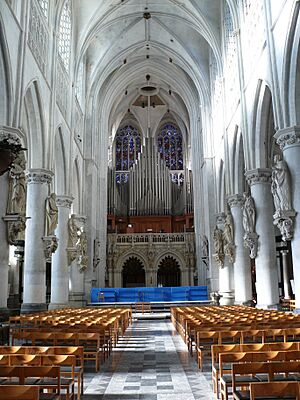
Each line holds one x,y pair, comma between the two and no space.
10,134
236,200
258,175
38,176
288,137
64,201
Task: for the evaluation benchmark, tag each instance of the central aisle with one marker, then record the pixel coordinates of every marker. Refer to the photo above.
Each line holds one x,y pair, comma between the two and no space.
151,362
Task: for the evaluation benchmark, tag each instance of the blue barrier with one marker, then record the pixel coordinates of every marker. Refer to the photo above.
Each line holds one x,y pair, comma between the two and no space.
149,294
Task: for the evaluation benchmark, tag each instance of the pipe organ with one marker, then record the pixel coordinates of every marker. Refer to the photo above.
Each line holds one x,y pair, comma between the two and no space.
149,187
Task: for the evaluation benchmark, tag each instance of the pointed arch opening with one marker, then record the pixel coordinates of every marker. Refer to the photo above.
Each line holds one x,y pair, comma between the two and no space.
168,273
133,273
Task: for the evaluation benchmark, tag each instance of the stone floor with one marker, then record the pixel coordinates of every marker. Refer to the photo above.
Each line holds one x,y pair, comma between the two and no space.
151,362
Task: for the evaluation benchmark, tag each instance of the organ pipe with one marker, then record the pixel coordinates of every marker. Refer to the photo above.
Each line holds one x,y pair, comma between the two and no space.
149,189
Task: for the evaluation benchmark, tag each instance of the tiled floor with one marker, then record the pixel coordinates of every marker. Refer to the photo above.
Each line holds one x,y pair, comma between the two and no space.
152,363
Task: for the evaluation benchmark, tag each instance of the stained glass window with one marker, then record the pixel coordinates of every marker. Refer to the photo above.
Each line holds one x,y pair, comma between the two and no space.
64,34
169,143
128,146
44,6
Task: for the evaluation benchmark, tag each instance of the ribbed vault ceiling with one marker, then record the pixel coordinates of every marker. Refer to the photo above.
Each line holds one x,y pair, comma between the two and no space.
169,40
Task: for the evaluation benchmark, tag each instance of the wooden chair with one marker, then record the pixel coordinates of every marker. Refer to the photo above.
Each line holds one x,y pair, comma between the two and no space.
19,392
67,380
276,390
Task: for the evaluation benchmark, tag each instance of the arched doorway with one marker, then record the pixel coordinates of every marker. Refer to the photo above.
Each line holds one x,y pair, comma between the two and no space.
168,273
133,273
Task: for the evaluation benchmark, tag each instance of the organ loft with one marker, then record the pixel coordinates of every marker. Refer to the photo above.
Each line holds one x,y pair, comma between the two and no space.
150,197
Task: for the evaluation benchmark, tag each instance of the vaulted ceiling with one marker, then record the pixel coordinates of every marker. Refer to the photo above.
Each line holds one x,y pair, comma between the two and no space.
123,41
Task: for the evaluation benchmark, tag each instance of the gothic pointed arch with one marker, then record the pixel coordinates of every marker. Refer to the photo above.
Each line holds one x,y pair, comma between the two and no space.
133,272
34,125
169,272
60,163
6,97
291,70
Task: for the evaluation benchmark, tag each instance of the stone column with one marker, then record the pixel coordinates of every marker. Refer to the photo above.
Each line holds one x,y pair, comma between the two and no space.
76,284
185,277
265,262
60,267
34,298
241,265
118,279
289,141
286,276
4,246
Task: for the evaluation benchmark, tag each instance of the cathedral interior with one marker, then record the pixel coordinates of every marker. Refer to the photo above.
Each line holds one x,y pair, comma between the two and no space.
149,144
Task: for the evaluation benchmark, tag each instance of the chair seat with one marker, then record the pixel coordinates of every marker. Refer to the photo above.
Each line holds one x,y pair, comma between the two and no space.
69,369
246,379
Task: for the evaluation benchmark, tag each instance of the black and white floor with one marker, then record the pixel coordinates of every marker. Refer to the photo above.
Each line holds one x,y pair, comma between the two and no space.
151,362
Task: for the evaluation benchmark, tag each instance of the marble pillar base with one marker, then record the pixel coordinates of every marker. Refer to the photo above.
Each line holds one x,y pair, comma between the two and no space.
248,303
56,306
77,299
268,306
28,308
227,298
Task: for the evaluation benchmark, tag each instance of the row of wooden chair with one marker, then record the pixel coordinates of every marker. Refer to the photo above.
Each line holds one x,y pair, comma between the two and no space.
22,352
219,352
45,378
95,349
188,321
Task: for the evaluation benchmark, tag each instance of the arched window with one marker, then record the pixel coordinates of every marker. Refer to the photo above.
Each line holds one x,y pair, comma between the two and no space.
169,143
44,6
64,34
128,146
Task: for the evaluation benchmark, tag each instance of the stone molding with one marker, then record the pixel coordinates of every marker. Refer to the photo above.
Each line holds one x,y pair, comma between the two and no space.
38,176
64,201
236,200
288,137
259,175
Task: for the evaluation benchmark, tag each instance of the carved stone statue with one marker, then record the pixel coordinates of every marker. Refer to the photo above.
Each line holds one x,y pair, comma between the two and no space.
15,228
280,187
50,246
218,246
249,219
73,231
228,237
249,214
17,187
204,246
51,214
81,247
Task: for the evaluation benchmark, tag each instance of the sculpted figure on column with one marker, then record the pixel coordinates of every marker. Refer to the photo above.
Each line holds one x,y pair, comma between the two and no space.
81,247
17,187
249,218
249,214
204,246
73,231
228,237
51,214
281,185
218,246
